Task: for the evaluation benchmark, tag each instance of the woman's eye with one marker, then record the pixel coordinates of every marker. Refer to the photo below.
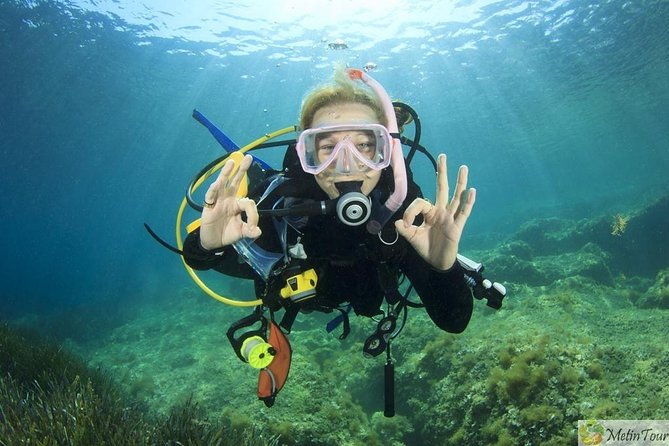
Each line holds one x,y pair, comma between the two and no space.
326,148
364,147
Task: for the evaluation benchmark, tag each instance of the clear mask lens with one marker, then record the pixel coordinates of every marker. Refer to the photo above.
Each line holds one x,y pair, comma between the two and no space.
345,148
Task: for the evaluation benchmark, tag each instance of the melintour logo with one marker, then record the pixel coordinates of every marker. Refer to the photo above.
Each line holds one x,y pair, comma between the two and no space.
623,432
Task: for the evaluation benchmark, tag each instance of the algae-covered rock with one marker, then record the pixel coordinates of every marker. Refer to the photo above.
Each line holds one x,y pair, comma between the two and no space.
513,269
635,240
568,344
545,235
517,248
589,261
657,295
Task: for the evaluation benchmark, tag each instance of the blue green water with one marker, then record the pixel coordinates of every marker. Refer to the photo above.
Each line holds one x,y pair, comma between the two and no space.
558,108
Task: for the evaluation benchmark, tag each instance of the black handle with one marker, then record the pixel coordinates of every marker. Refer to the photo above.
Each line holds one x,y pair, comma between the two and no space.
389,376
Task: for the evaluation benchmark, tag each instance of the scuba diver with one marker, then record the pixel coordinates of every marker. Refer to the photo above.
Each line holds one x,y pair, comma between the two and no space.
342,227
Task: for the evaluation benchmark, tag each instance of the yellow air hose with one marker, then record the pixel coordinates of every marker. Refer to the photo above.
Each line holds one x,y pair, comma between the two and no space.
241,192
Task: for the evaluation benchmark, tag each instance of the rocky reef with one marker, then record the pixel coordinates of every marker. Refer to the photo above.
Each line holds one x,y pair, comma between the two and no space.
581,335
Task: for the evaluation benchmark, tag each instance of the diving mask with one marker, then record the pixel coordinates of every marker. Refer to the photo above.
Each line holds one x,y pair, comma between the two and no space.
346,148
382,155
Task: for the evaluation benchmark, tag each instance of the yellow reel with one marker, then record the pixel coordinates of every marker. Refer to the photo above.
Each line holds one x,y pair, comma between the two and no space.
258,353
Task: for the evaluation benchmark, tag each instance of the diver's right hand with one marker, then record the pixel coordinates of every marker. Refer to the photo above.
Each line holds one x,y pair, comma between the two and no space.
222,222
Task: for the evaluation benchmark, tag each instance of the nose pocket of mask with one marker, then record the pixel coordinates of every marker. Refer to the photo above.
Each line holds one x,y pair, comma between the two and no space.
346,162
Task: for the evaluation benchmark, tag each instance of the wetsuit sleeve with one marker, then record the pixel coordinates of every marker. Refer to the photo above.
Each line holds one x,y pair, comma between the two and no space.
224,260
447,297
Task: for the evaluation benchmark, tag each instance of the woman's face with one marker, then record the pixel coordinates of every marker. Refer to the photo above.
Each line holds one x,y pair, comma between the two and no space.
340,114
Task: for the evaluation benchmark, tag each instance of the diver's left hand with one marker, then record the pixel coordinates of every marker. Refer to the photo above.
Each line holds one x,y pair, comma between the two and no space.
436,240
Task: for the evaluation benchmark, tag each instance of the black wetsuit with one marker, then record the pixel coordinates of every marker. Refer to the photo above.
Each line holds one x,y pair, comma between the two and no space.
352,265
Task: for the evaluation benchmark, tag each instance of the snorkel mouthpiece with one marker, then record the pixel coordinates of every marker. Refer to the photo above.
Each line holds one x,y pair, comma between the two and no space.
381,214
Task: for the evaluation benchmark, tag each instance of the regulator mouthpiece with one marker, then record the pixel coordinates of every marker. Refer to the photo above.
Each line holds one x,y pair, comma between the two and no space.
353,207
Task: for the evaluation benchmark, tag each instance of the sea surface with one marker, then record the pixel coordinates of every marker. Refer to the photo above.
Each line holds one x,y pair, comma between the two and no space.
559,108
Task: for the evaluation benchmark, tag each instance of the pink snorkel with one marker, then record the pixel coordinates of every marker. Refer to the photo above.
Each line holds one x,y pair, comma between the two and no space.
381,214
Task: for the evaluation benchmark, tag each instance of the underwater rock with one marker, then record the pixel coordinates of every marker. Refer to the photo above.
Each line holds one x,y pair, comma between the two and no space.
510,268
546,236
514,263
657,295
641,248
635,241
518,248
590,261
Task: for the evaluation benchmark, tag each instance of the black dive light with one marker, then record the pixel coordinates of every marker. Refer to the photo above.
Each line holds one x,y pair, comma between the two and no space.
376,344
493,292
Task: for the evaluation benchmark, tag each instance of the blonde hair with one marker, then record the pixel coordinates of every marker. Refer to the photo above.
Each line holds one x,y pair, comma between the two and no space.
342,91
